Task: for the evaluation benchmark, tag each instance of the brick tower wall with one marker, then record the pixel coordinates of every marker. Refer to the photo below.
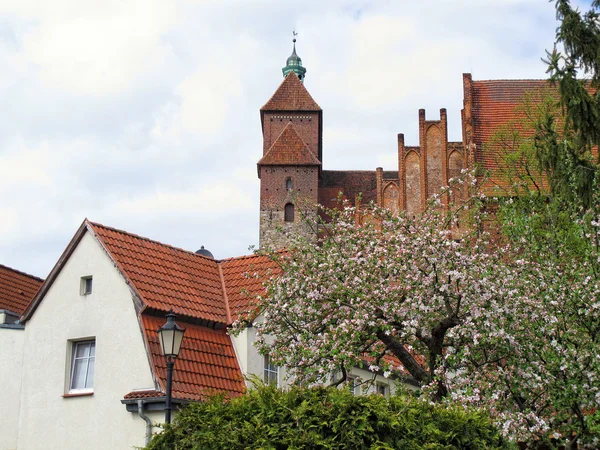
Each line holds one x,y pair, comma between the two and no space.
306,124
274,195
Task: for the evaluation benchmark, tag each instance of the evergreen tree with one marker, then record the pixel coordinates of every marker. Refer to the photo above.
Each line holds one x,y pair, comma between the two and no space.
576,71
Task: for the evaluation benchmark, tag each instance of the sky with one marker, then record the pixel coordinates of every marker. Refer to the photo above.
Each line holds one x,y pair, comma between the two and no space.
143,115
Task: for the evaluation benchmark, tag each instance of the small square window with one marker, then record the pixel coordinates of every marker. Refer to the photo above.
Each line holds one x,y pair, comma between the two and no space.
83,361
86,285
382,389
271,372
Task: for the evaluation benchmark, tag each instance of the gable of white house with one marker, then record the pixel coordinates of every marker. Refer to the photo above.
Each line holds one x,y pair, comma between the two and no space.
52,418
11,361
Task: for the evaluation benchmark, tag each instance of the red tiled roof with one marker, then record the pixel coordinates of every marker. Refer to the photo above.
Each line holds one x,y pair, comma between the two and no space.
291,95
17,289
498,103
150,393
167,277
191,285
206,364
289,149
243,279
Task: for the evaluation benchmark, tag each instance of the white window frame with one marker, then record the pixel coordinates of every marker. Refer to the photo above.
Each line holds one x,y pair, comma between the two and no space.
354,385
88,359
270,369
382,389
83,287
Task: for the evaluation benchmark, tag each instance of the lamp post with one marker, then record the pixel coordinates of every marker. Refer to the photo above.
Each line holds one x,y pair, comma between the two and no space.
170,336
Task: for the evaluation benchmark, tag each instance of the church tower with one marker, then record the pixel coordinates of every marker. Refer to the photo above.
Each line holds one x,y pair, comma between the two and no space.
289,171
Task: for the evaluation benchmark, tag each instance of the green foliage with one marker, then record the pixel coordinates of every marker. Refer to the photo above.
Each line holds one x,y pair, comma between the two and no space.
577,68
576,72
325,418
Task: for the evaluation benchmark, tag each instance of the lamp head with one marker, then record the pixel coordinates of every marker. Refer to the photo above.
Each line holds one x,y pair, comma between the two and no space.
170,336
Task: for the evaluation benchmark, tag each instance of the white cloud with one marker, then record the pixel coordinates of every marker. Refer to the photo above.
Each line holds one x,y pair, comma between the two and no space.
95,47
143,114
217,199
205,99
21,165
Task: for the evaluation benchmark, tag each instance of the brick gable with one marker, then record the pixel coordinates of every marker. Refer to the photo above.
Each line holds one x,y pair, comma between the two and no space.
289,149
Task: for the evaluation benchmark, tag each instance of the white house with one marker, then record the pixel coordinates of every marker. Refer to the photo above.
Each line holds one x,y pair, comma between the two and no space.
16,291
85,368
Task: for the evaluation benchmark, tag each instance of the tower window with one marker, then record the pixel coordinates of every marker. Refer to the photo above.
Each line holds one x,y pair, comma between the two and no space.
288,184
289,213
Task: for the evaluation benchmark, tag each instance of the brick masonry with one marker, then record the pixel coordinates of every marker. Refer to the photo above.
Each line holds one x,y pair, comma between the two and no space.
422,169
306,125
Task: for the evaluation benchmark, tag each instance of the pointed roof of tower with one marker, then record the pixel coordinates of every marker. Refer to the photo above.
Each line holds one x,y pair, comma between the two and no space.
289,150
291,95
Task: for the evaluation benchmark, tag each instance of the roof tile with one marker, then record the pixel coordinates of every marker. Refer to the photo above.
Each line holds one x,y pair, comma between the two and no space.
206,364
149,393
243,278
17,289
291,95
499,103
167,277
289,149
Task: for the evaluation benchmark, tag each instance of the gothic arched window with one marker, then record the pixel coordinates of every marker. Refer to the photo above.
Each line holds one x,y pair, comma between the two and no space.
289,213
288,184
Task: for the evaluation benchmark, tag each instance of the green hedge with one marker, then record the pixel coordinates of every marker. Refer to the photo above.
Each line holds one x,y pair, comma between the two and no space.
325,418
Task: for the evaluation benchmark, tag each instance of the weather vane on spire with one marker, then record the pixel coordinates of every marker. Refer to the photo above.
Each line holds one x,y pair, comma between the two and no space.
294,63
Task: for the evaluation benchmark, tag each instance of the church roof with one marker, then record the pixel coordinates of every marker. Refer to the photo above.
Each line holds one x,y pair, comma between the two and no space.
289,149
291,95
497,104
17,289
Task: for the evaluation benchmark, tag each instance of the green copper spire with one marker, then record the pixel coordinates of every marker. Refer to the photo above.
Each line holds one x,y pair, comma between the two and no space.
294,63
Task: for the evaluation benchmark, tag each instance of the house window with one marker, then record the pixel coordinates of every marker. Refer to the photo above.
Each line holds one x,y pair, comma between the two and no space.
288,184
289,213
353,385
382,389
83,358
86,285
271,372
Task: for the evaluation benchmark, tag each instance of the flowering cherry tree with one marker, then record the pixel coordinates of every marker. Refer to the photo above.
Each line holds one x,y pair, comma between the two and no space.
376,285
500,327
536,364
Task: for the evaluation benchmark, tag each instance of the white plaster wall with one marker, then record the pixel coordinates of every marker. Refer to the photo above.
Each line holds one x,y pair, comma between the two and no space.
240,345
11,359
100,421
252,363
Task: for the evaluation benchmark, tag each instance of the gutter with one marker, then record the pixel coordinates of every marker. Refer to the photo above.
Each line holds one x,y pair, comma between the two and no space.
140,405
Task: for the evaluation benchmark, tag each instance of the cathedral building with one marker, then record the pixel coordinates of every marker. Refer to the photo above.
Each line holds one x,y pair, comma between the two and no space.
293,180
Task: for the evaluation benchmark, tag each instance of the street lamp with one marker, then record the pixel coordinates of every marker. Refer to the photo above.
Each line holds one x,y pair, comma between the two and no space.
170,336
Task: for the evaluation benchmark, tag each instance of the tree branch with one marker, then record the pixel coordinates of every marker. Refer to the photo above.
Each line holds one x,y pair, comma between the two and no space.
407,360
